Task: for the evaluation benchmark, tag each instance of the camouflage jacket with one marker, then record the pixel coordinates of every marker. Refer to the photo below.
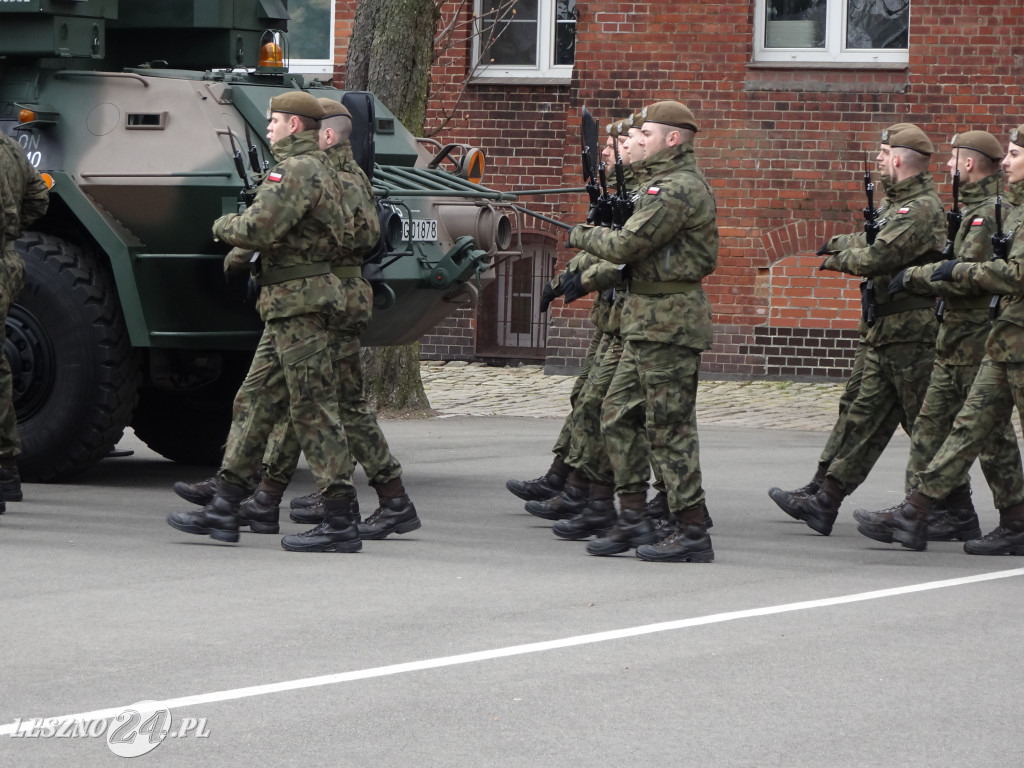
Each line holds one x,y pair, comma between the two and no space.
297,220
362,227
671,239
965,321
24,197
912,232
1005,341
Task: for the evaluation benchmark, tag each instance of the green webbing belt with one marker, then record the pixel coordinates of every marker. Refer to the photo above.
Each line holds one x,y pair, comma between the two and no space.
967,302
299,271
905,305
347,273
644,288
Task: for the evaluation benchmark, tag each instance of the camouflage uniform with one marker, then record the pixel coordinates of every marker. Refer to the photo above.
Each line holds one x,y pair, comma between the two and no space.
23,199
960,347
366,441
901,341
671,244
297,224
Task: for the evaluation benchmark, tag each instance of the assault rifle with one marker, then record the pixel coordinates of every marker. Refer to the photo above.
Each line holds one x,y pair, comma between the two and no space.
871,227
1000,247
622,206
593,172
954,218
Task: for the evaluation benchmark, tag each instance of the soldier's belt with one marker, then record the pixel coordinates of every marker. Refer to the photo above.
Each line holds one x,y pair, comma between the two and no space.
350,272
905,305
299,271
644,288
968,302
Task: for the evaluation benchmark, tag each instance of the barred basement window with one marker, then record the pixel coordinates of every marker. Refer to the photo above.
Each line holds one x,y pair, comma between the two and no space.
518,40
839,31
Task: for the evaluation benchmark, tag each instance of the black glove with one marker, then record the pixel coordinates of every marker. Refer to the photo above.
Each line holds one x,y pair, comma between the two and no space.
573,288
546,298
944,272
896,284
824,249
823,264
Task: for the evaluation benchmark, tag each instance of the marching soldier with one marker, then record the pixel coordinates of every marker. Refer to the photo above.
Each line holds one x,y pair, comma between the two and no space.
670,243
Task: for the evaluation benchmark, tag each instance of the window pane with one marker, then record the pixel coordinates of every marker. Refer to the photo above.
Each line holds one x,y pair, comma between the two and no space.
795,23
565,31
309,30
509,42
877,23
523,10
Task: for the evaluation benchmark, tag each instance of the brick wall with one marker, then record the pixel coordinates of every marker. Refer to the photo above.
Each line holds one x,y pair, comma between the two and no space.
782,146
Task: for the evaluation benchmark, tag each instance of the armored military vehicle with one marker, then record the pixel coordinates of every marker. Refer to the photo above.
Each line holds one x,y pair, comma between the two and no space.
146,118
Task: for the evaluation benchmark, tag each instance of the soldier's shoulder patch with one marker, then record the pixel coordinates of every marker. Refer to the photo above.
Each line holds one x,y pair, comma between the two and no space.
978,222
903,210
653,190
275,175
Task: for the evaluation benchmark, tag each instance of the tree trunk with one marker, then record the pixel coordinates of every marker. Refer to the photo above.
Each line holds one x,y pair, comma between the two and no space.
390,53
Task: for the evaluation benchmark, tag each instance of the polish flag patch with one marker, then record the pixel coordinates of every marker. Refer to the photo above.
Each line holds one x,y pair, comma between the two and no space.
653,190
275,176
903,210
977,222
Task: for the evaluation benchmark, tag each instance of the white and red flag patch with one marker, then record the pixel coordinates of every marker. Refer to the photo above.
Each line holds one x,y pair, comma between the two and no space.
653,190
978,222
275,176
903,210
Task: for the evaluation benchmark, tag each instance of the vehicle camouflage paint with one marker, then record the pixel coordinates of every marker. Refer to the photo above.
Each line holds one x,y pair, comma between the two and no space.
144,115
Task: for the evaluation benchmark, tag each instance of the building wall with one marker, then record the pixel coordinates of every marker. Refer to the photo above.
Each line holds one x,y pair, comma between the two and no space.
782,146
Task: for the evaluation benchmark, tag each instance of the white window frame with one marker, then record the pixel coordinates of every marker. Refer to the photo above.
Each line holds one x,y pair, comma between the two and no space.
546,72
834,50
324,66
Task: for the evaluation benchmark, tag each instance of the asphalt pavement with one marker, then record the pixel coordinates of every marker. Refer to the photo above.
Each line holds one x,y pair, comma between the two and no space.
482,639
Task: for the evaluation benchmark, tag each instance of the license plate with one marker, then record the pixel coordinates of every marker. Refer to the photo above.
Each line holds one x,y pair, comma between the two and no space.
419,229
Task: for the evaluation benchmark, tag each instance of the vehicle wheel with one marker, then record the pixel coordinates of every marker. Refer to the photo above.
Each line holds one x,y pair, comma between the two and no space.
191,426
75,374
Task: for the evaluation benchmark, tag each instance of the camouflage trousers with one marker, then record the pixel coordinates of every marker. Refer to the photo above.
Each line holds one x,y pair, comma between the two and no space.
12,273
999,456
588,454
291,379
651,402
845,401
366,441
562,442
986,413
891,391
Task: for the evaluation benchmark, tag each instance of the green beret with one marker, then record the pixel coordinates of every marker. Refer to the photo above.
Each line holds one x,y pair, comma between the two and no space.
333,108
298,103
1017,135
669,113
980,141
619,127
908,136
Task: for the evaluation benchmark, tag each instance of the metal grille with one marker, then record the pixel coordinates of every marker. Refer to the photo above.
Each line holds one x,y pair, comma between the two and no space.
510,323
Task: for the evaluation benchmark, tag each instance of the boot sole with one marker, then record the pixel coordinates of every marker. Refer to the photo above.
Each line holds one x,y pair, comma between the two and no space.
909,540
338,546
1015,549
816,525
877,533
257,527
625,546
18,496
528,496
554,515
406,527
702,556
305,519
580,535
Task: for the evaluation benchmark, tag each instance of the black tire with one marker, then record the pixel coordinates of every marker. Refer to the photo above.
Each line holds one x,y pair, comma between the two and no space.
76,376
191,426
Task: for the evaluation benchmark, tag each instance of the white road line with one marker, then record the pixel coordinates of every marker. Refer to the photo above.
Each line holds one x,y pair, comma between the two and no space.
519,650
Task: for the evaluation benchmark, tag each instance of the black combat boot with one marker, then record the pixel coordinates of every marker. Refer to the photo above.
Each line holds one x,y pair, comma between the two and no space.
820,510
786,498
396,513
954,518
337,533
631,529
200,493
1006,539
657,509
219,518
906,523
542,488
262,510
569,503
689,544
597,517
10,481
309,500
